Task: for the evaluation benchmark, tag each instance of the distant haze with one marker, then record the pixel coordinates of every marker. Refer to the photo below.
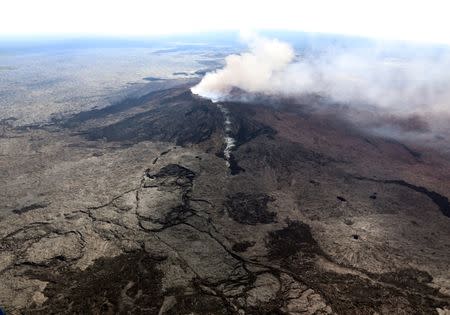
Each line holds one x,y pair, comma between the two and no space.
412,20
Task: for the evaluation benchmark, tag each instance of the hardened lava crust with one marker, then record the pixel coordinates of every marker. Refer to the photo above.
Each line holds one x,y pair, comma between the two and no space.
134,209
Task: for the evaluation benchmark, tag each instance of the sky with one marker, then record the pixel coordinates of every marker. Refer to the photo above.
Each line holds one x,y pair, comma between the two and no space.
412,20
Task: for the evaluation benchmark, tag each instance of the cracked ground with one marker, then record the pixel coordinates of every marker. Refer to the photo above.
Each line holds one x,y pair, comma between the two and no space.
134,210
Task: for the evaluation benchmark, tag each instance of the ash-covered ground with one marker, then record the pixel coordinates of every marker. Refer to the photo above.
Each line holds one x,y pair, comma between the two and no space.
134,208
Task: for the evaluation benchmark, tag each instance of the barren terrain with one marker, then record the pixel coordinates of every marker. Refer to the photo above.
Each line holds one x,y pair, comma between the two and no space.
133,209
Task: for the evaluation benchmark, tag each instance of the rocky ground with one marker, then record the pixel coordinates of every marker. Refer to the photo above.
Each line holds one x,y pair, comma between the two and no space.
132,209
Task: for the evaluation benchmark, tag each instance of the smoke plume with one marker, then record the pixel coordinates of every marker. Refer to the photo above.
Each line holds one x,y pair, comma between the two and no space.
253,71
405,85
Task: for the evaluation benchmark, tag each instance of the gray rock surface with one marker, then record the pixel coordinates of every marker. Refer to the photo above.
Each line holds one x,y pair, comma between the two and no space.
150,227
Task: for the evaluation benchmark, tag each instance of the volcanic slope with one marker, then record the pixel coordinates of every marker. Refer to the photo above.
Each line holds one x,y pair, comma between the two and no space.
133,209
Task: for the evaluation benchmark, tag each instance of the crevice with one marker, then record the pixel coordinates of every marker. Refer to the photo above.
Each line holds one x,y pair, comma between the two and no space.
441,201
113,199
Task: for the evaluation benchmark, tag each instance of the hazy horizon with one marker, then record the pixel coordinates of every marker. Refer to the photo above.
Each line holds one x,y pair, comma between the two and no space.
415,21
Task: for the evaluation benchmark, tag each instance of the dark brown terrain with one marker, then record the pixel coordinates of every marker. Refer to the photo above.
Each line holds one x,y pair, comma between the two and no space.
132,209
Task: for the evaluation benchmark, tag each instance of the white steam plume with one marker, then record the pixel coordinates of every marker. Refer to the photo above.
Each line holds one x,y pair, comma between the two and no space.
355,76
252,71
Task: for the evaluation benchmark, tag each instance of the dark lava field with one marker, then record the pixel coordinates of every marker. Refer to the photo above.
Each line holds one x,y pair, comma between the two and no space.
135,209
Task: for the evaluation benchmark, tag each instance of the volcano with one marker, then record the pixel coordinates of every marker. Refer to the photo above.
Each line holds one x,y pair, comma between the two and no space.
138,208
